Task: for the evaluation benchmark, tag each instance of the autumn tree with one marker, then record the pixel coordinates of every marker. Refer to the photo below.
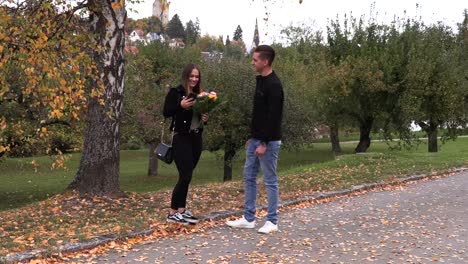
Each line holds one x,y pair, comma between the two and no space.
235,50
359,53
142,119
399,38
147,24
298,82
229,125
63,69
315,78
42,72
98,172
234,80
209,43
435,94
154,24
391,76
462,40
130,25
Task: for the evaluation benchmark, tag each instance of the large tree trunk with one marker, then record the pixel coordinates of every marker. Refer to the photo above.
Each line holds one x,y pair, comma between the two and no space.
432,140
153,160
335,141
365,128
229,153
98,173
431,130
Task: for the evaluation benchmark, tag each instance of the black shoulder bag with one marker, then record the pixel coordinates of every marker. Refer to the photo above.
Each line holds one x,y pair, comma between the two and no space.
164,151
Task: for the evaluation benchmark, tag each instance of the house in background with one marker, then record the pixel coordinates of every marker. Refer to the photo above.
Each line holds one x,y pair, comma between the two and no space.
137,35
213,55
152,36
176,43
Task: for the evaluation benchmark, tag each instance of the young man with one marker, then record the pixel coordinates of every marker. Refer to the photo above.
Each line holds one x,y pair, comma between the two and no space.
264,144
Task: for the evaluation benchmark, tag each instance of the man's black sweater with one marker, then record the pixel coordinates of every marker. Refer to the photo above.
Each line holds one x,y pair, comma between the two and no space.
268,108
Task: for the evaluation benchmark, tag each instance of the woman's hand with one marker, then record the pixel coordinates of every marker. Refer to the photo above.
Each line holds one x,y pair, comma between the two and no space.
205,117
186,102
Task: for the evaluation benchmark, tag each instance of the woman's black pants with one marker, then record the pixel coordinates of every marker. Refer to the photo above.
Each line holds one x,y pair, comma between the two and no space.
187,150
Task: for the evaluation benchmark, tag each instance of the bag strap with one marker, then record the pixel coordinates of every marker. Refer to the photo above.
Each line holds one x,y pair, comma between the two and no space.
163,128
173,128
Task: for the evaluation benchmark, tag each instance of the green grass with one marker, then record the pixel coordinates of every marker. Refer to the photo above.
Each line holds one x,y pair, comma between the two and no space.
378,164
344,137
22,185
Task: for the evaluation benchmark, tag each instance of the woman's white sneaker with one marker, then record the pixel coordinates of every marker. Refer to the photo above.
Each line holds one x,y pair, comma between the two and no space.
269,227
241,223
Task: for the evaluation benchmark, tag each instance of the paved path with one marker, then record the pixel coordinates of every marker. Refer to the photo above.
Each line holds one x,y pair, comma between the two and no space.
424,222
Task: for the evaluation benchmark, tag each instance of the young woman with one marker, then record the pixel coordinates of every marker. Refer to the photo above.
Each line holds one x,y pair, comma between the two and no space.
187,143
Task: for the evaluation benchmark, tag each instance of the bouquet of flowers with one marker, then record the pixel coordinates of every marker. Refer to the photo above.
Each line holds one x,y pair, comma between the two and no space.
206,102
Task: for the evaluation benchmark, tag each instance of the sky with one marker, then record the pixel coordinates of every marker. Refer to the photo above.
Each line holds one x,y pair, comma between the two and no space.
221,17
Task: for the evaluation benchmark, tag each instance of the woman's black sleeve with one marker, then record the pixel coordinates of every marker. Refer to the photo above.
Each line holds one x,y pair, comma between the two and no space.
171,103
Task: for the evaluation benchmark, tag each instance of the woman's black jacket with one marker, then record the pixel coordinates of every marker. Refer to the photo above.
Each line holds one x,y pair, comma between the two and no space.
180,116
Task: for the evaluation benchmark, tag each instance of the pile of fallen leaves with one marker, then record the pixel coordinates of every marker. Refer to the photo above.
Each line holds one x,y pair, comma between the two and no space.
67,217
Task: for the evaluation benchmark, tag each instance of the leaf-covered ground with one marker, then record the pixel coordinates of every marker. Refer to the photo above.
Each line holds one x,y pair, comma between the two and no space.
417,222
66,218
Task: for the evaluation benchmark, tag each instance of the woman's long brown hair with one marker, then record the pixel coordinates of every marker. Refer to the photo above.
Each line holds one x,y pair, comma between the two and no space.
186,78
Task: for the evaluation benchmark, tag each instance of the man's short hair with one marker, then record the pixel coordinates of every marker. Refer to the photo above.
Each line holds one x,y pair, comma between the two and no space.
266,53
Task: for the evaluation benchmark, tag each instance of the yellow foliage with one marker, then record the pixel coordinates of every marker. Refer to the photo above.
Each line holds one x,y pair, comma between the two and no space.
3,123
4,148
60,161
19,132
56,114
50,62
118,5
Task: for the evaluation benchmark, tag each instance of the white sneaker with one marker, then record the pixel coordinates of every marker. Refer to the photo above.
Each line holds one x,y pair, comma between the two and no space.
241,223
269,227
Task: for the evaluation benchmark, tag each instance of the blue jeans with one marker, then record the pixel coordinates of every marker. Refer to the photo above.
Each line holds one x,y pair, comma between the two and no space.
268,163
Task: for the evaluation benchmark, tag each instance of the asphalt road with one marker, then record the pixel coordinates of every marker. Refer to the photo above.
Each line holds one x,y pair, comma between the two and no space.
423,222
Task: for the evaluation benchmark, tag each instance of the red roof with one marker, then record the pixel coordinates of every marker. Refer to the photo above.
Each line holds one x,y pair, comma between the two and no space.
131,49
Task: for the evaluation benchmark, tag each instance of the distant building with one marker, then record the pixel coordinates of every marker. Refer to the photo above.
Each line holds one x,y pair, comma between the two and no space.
176,43
137,35
212,56
161,11
152,36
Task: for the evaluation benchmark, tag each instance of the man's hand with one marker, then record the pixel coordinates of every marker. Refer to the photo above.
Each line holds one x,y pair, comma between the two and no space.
261,149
